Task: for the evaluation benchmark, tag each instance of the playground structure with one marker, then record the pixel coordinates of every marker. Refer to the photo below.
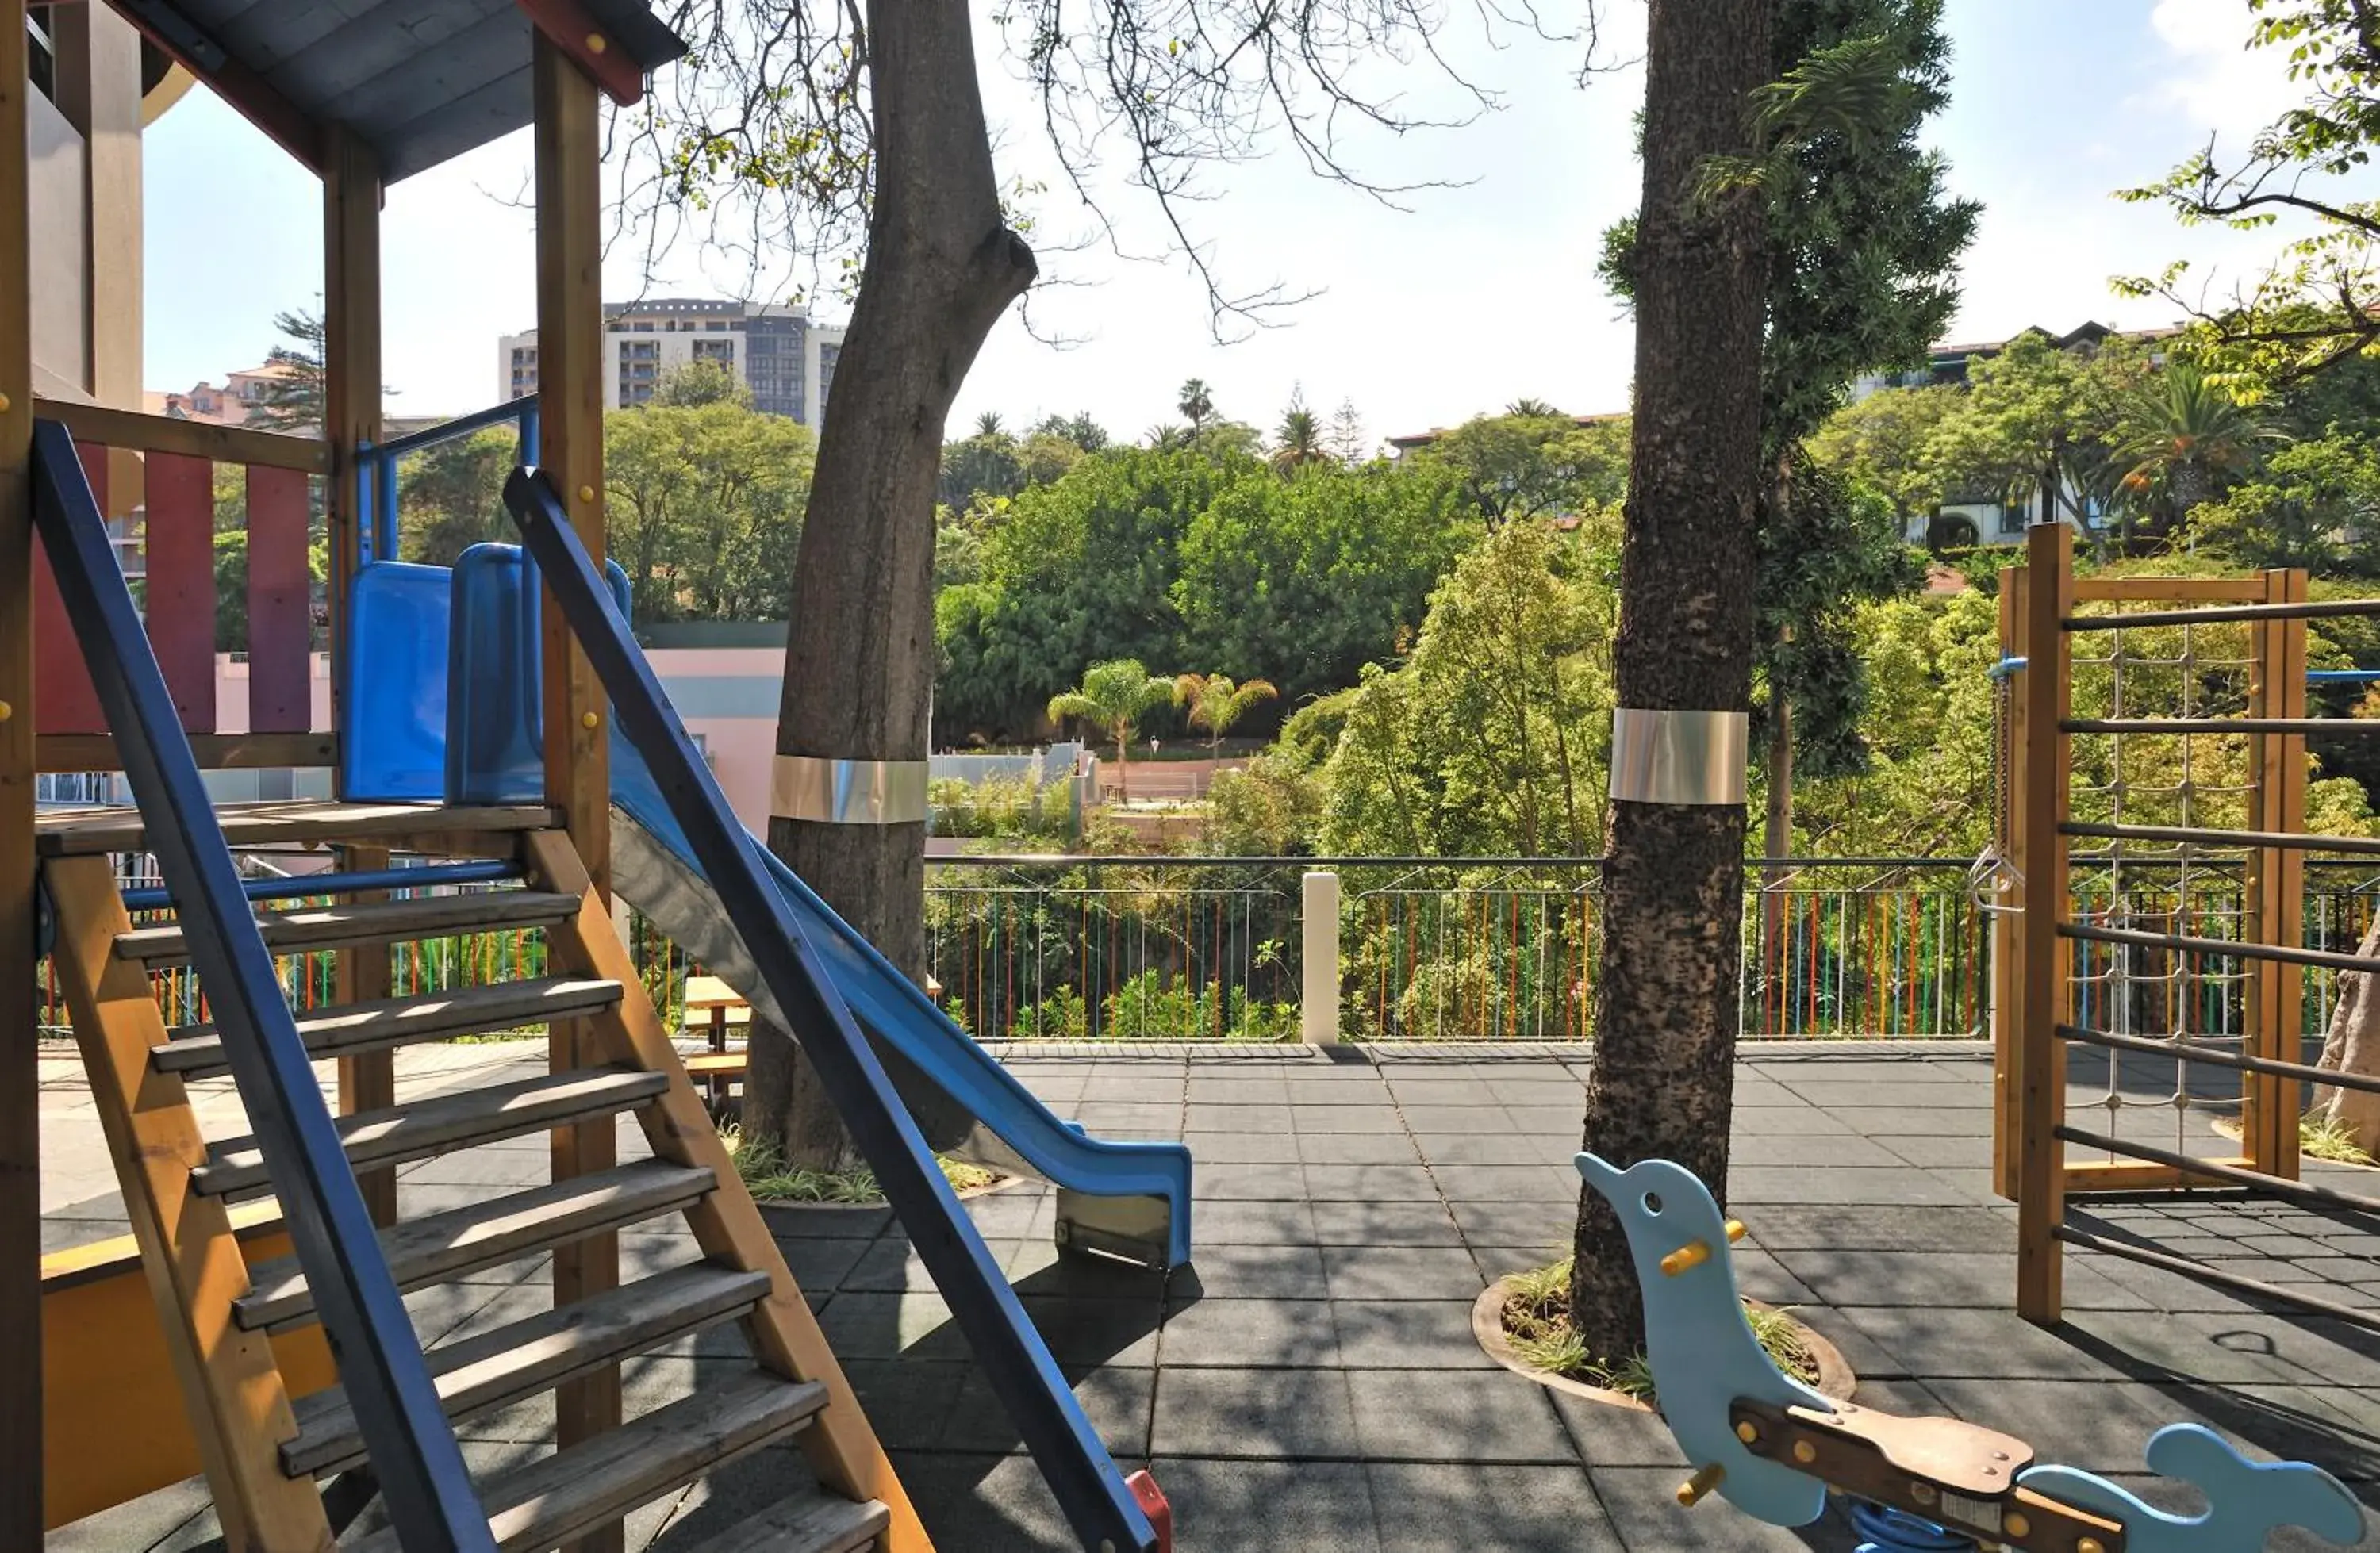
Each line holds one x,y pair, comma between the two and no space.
2104,823
1775,1448
522,811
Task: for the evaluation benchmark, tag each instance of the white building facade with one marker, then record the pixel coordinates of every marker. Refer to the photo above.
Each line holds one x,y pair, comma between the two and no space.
779,353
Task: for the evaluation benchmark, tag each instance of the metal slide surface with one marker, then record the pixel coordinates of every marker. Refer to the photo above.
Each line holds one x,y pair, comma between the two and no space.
1126,1199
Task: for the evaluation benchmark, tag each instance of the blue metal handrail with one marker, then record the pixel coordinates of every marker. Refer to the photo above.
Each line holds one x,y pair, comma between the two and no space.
298,887
376,465
1081,1474
428,1491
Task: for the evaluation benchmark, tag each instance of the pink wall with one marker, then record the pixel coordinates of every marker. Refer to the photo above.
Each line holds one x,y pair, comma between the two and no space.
742,749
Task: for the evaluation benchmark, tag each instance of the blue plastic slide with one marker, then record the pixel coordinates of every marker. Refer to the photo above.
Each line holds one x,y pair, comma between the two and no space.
1124,1199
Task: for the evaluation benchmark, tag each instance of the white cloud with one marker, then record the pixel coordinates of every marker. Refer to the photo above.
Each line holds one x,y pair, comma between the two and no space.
2214,80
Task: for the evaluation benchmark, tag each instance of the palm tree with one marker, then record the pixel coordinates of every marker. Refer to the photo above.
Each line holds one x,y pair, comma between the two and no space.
1535,409
2185,435
1166,437
1301,439
1196,402
1215,703
988,424
1113,696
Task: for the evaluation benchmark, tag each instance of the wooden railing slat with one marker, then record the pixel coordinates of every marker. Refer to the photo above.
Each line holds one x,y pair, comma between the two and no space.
280,603
181,568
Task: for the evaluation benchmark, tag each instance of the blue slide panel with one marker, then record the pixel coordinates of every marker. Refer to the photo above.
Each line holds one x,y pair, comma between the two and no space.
487,677
897,1012
393,685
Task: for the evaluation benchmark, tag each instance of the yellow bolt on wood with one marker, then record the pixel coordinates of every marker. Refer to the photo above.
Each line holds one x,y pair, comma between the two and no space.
1734,1230
2090,1545
1692,1490
4,404
586,493
7,711
595,43
1747,1433
1804,1452
2016,1525
589,720
1693,1254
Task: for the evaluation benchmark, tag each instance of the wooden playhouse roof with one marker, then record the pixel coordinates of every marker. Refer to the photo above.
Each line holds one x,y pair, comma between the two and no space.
420,82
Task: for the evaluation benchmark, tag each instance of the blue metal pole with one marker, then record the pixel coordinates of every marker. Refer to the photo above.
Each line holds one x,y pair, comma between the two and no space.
429,1492
298,887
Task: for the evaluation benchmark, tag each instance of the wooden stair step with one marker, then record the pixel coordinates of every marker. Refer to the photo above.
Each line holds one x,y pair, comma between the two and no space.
811,1522
567,1495
197,1050
443,1123
446,1246
421,916
536,1355
66,833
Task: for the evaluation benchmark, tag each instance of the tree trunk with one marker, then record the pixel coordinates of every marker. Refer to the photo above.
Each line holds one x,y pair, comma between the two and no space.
2352,1046
1666,1018
859,667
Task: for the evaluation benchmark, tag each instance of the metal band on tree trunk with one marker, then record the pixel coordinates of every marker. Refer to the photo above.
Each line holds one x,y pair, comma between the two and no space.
1679,757
848,792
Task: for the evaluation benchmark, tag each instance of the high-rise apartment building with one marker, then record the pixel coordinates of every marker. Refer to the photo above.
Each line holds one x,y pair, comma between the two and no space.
777,352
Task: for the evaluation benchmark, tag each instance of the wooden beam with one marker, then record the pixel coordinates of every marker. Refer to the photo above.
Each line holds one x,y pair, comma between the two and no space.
569,140
99,89
2048,995
2141,1175
351,361
231,1386
194,439
20,1150
572,28
2008,927
841,1448
2176,590
96,752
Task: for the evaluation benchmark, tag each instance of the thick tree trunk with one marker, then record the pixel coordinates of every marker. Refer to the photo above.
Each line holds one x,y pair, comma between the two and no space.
2352,1046
1666,1017
859,669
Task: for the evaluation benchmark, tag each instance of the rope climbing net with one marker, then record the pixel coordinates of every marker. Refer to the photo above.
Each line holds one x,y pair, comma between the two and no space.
2191,1003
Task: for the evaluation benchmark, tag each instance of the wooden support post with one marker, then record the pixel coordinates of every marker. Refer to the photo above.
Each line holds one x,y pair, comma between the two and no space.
368,1080
352,359
238,1406
577,778
21,1149
2047,997
2007,928
2277,883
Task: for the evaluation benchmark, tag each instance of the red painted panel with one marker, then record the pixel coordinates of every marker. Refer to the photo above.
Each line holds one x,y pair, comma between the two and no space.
280,606
64,702
182,583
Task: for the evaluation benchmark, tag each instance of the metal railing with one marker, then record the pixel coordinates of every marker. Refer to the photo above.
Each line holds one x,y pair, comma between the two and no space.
376,467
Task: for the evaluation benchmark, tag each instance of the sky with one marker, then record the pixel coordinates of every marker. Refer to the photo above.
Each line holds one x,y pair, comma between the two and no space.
1463,300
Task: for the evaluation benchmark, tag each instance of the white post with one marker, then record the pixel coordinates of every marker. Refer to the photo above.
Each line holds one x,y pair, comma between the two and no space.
1318,904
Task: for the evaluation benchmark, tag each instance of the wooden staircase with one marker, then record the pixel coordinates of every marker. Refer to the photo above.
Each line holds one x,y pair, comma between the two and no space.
264,1450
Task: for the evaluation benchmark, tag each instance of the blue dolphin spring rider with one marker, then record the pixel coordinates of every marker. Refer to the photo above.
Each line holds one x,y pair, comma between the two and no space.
1773,1447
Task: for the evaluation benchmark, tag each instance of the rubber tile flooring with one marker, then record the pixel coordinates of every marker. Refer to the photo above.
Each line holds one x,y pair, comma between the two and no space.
1311,1380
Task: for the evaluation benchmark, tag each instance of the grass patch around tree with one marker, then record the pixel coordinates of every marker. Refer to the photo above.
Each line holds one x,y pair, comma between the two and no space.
1536,1325
2318,1138
763,1168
